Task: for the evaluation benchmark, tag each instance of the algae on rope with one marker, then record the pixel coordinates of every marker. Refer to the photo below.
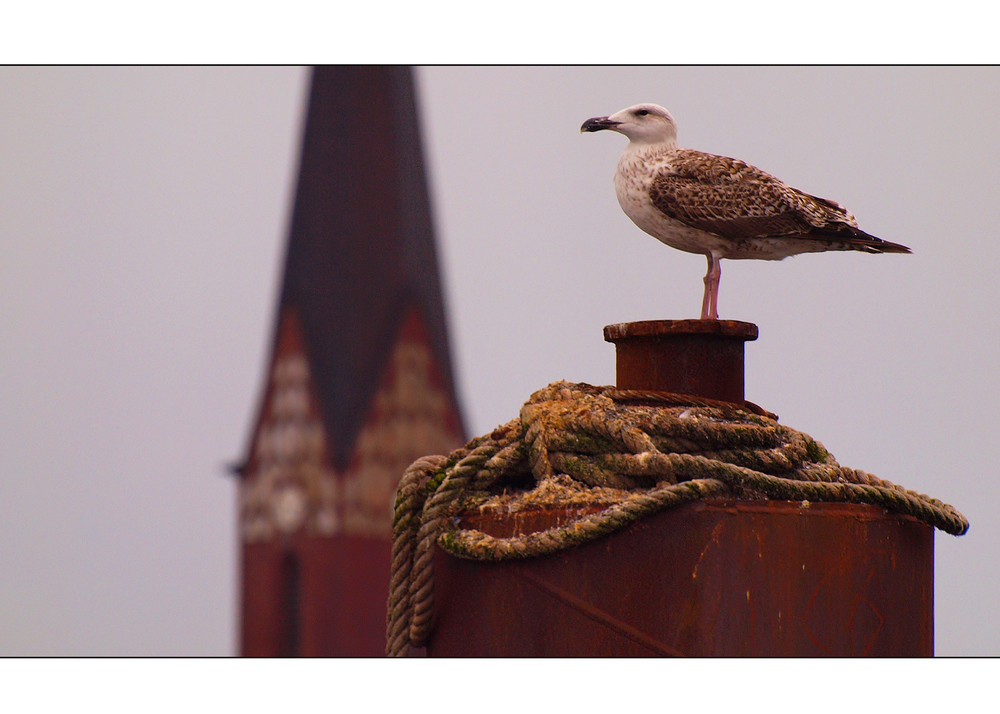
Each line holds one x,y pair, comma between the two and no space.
632,454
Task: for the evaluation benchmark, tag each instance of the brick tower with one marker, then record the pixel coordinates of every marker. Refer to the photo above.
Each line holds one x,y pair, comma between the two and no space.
359,383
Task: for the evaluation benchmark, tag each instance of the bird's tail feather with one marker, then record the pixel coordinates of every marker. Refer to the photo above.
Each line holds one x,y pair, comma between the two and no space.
877,245
856,239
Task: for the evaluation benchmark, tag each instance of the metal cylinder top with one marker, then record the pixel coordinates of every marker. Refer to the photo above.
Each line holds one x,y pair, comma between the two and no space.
699,357
745,331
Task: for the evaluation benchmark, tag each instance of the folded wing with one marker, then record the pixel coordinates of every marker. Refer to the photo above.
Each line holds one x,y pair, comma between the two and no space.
732,199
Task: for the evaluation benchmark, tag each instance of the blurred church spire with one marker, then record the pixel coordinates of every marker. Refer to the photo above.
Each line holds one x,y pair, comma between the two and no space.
359,382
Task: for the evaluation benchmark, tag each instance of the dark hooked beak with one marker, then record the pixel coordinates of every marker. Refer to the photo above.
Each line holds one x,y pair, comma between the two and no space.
598,123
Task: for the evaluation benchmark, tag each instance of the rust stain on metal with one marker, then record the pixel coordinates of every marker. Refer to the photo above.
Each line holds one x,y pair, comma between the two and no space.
712,541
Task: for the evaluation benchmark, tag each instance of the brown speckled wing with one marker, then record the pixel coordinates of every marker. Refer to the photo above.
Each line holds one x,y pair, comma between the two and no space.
737,201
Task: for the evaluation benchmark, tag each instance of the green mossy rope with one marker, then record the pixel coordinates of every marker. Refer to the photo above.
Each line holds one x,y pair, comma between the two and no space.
640,453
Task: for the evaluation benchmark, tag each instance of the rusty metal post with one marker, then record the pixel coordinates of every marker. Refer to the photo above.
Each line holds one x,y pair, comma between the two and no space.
699,357
711,578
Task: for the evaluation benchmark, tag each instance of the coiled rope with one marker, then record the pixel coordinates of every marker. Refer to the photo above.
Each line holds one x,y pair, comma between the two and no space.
632,453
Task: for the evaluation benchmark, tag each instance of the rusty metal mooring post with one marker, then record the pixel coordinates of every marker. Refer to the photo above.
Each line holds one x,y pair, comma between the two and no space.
710,578
699,357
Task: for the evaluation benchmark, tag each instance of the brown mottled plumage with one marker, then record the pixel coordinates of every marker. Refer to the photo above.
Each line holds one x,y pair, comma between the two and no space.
720,207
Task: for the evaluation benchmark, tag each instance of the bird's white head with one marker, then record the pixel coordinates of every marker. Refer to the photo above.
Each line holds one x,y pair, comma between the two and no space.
642,124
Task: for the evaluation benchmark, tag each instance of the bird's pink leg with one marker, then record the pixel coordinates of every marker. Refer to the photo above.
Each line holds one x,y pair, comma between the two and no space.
706,301
710,303
716,275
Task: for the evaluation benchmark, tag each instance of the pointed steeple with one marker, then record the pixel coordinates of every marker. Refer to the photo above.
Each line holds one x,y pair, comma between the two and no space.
361,250
359,383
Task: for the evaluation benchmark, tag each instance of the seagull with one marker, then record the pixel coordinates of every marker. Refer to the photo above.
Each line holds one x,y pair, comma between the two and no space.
717,206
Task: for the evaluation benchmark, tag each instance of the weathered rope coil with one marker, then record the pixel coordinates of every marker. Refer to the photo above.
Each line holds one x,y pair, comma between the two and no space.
636,453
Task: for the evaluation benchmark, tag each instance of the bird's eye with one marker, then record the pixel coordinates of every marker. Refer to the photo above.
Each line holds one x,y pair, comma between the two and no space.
642,112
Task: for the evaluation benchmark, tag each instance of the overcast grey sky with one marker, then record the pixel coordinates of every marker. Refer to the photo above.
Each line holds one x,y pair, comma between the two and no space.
142,218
